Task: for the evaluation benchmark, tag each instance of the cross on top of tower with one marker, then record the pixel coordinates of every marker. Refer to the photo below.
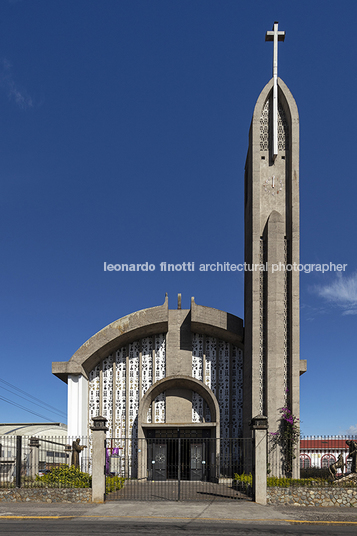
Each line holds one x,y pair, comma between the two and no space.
275,35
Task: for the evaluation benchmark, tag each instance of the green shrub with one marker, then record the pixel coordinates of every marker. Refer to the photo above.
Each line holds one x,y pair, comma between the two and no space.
243,482
315,472
245,479
273,481
66,477
113,483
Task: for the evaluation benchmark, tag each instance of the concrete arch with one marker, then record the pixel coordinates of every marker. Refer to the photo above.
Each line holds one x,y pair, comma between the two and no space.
146,323
117,334
285,97
177,382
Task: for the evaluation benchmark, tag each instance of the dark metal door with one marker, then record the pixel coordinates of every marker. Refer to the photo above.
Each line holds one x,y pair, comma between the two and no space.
197,461
159,461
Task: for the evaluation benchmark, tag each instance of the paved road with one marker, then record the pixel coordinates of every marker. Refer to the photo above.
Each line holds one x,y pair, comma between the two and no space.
174,528
173,518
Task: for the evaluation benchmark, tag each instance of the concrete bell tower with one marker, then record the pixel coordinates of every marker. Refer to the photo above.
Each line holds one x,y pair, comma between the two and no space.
272,236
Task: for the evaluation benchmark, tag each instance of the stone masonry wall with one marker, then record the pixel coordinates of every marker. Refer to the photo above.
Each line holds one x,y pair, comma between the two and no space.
305,496
47,495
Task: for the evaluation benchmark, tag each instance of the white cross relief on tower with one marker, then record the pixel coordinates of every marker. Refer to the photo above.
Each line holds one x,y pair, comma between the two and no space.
275,36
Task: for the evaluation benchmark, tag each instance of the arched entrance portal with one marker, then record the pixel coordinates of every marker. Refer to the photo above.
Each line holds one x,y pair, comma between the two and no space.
178,449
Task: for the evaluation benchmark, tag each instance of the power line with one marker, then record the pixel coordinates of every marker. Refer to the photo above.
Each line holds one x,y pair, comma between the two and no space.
31,396
22,407
35,403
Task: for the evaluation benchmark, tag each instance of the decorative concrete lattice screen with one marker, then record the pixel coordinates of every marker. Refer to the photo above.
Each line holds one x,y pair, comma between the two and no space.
208,356
265,122
116,385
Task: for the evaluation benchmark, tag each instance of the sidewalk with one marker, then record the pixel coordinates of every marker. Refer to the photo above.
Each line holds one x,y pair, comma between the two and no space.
237,511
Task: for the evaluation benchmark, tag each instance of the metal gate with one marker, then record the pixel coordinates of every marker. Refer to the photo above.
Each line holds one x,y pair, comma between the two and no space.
174,466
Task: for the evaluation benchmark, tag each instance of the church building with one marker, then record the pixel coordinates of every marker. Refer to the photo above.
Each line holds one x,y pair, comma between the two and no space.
202,370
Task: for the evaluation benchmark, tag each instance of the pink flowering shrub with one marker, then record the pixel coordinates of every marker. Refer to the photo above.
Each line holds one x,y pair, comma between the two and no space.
287,438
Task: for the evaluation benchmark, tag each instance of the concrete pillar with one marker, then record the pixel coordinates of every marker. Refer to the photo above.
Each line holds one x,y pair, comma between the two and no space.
259,425
77,406
98,462
34,456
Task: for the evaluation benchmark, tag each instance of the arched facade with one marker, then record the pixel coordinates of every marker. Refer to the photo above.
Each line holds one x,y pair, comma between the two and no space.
159,368
171,386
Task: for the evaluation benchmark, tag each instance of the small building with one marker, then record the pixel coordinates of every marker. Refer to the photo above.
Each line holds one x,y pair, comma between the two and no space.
52,436
321,452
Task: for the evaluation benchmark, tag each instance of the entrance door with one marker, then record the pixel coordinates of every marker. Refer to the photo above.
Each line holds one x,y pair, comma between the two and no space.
197,461
159,461
175,454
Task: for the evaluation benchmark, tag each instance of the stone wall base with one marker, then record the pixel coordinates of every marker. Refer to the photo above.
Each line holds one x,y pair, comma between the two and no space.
304,496
47,495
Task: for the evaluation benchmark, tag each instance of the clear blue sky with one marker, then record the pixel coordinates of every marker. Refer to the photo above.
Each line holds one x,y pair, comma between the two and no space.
123,137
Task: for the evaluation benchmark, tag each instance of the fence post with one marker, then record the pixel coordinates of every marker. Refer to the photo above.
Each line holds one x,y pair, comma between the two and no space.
98,461
259,425
68,453
34,456
18,460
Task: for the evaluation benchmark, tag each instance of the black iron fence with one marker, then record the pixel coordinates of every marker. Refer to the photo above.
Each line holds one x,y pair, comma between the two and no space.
172,464
28,461
177,468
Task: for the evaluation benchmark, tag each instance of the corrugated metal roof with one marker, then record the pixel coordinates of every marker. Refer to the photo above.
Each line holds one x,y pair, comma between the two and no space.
29,429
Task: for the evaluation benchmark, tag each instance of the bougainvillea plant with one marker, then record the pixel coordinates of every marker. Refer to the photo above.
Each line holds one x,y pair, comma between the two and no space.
286,437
